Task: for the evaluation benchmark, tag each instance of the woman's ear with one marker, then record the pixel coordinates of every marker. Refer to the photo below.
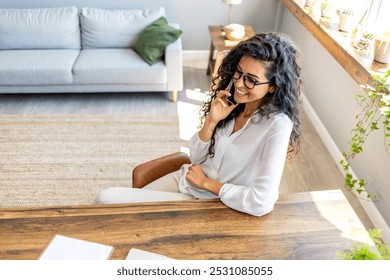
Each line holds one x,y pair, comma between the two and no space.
272,89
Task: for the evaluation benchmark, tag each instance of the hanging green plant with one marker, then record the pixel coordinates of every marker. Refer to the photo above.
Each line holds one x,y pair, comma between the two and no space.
375,110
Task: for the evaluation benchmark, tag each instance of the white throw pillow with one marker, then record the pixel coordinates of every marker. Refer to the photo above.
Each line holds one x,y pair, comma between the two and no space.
114,28
50,28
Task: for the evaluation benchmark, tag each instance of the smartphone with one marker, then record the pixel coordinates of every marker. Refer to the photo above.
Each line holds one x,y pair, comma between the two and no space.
231,89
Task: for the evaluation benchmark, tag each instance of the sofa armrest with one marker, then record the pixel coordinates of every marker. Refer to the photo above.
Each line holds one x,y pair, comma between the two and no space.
174,63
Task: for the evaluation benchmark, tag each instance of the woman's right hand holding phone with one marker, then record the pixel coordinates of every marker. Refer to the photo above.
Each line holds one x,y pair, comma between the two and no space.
219,110
221,107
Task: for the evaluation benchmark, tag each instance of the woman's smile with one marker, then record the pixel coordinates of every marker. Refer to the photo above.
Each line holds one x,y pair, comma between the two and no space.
242,93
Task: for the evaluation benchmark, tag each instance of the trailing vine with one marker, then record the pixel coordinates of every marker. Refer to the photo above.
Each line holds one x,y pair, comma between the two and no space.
375,110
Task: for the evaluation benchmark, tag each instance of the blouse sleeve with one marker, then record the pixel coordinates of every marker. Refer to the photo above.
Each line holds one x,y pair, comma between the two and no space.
259,198
198,149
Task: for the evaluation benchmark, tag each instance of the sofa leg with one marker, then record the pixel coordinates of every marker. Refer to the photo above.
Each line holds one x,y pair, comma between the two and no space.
174,96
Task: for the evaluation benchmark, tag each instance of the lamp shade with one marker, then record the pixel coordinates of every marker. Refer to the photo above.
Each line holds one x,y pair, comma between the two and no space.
232,2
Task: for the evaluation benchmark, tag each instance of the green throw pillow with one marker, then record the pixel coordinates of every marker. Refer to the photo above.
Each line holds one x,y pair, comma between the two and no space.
152,41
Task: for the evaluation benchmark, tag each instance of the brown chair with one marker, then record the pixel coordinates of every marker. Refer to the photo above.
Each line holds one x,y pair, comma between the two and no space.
147,172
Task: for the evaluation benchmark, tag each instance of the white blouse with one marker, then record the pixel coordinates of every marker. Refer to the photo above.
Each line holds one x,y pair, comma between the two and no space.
249,162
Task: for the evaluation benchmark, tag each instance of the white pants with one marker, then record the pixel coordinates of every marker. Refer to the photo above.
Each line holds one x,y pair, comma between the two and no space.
165,188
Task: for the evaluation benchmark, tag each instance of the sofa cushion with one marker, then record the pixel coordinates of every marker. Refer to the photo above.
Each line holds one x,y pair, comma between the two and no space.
116,66
51,28
153,40
114,28
37,67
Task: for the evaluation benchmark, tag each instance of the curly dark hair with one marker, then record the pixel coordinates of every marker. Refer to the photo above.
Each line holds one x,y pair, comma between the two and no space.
280,56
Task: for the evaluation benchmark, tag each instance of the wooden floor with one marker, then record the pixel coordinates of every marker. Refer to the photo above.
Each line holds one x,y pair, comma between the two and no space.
313,170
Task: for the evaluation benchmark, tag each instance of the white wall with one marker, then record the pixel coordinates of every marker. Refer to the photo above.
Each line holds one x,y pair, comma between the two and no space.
194,16
330,91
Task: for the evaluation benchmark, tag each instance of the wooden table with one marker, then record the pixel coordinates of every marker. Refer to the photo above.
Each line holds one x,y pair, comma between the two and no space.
222,45
302,226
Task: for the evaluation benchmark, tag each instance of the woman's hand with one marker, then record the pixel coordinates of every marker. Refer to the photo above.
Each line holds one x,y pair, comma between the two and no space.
198,179
196,176
220,108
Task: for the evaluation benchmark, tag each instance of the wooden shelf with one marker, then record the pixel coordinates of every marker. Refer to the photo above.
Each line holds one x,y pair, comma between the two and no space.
361,67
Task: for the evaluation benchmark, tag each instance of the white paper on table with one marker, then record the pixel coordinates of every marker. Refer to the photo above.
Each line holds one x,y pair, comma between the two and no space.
136,254
67,248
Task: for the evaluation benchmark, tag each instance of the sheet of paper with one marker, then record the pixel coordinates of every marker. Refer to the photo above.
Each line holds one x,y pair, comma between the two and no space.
136,254
67,248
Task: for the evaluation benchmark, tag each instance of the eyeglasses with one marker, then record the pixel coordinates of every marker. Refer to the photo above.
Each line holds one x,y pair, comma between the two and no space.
249,82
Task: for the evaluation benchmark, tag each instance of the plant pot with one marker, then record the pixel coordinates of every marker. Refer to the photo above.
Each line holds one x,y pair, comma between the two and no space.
347,23
382,51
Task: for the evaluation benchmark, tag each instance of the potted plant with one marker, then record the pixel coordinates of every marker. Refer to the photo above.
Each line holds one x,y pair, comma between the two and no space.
347,20
375,109
382,47
363,40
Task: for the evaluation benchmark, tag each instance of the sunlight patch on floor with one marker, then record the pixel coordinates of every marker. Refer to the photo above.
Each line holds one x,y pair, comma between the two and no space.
188,112
188,119
196,94
328,206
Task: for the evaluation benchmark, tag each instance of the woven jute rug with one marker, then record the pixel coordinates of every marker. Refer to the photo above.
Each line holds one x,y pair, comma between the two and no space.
67,160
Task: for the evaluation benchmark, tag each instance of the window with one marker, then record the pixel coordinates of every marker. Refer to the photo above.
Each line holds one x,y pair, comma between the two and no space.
379,15
371,11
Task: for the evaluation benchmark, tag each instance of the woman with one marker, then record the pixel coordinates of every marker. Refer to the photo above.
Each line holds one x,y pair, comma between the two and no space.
240,151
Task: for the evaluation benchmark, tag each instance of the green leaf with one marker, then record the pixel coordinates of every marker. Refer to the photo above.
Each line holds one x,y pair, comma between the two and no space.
374,126
387,74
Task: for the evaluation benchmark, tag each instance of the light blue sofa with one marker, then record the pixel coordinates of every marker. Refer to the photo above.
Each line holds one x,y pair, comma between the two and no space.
67,49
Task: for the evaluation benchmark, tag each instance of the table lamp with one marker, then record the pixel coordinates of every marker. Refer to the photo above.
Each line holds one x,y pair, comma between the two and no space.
233,31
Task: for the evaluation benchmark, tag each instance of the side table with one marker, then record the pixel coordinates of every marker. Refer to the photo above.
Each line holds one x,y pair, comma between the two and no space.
222,45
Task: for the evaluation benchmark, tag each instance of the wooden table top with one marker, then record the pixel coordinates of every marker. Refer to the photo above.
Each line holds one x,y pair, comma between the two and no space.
303,226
